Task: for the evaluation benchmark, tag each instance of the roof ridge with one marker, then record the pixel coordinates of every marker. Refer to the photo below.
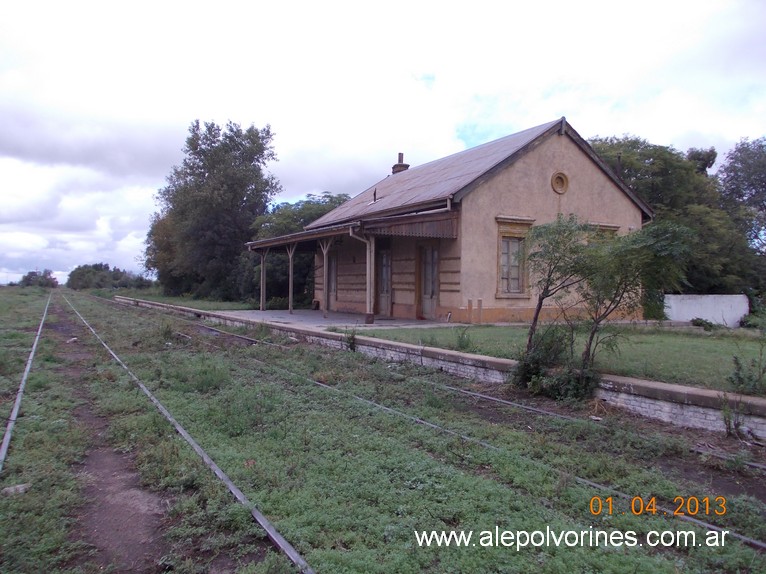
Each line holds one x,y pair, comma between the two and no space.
539,128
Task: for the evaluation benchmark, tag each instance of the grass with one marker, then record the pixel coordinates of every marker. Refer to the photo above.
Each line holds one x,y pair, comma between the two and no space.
682,356
348,484
46,443
697,358
20,314
38,527
153,294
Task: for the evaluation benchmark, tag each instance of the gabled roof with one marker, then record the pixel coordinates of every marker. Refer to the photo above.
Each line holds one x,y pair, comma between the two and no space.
430,185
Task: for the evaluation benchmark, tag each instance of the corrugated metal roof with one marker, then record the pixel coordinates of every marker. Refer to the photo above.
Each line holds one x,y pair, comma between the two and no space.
431,182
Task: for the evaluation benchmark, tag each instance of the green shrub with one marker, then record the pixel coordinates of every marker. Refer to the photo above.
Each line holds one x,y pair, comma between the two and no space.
535,371
351,340
463,340
549,348
754,321
653,302
567,384
277,304
705,324
750,378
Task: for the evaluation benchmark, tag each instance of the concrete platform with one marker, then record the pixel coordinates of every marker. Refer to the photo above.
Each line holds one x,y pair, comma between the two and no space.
344,321
318,320
676,404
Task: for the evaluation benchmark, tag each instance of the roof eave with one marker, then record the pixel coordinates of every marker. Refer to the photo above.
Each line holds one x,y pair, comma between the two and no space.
300,236
399,210
515,156
647,211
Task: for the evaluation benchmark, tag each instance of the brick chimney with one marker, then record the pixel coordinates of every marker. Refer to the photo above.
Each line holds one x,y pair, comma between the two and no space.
401,166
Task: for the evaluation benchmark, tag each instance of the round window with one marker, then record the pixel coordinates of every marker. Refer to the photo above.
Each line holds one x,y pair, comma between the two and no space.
559,182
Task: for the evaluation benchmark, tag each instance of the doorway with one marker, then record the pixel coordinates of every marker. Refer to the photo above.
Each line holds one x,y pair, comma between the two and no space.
429,281
384,301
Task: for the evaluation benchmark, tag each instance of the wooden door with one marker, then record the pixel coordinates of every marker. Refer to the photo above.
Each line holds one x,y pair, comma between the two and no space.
384,283
429,281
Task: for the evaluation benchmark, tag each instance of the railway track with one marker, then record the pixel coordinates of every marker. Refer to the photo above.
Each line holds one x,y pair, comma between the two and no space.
20,393
269,364
480,396
279,541
760,545
449,388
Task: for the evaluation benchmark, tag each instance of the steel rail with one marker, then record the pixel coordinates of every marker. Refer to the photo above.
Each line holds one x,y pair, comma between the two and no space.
483,396
20,393
667,511
583,481
272,532
728,458
450,388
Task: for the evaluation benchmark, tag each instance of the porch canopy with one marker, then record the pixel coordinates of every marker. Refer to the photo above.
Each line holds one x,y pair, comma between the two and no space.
440,223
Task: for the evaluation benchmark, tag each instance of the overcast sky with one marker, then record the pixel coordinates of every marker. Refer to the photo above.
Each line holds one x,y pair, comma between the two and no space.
96,98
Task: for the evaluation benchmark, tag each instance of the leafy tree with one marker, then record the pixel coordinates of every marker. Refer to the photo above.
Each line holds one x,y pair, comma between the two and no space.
100,276
603,275
662,176
195,241
616,271
283,219
555,251
286,218
679,190
703,158
37,279
743,185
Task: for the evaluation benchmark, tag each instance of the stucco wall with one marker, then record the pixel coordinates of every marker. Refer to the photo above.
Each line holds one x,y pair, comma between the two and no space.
524,190
720,309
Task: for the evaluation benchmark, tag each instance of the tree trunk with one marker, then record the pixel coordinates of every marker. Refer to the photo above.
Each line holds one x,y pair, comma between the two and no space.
535,319
586,354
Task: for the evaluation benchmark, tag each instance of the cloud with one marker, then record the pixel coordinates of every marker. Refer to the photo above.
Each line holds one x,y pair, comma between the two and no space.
136,152
96,98
62,217
15,244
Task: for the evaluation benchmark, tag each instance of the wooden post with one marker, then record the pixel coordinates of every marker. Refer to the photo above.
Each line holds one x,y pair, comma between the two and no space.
325,245
263,255
290,252
370,317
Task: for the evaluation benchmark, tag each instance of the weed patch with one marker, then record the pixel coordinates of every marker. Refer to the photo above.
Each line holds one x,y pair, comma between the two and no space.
750,378
197,374
243,411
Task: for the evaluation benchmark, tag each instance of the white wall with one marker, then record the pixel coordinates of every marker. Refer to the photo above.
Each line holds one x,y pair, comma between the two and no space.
720,309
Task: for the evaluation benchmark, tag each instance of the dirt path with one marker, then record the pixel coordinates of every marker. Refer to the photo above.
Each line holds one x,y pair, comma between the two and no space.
121,520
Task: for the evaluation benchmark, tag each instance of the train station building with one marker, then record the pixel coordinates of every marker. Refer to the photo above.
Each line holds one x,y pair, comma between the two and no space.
445,240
